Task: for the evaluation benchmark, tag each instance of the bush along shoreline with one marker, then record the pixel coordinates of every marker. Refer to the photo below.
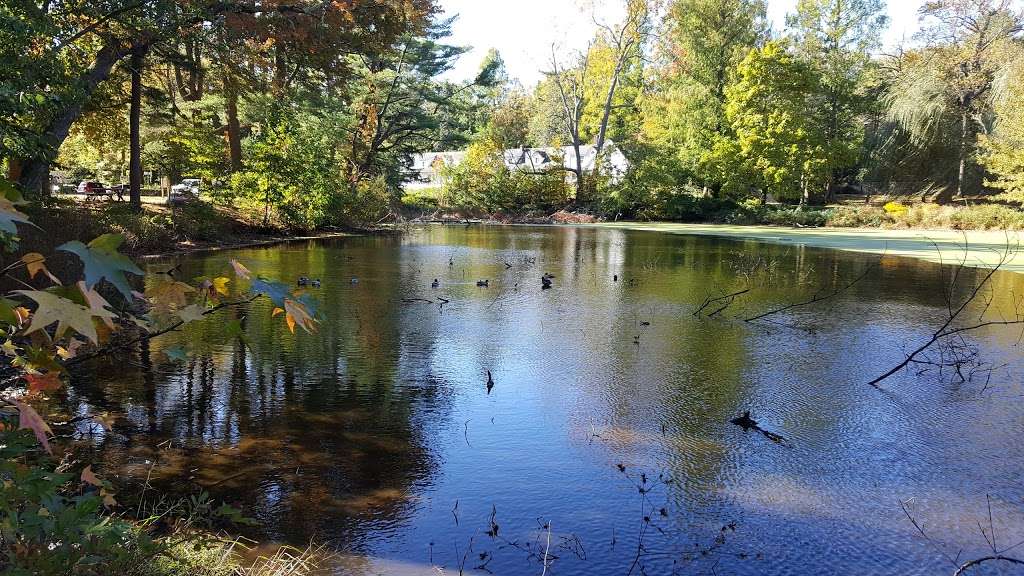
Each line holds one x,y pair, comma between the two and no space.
752,212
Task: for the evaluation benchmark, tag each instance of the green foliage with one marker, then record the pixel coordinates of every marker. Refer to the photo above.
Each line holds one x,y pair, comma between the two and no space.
291,174
1003,149
50,524
685,117
423,201
777,139
482,182
653,180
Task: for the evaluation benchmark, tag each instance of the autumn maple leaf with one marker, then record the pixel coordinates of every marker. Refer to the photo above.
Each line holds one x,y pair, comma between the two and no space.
64,312
102,261
29,419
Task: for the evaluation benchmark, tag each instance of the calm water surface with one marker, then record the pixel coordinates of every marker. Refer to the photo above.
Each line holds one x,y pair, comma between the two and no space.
609,417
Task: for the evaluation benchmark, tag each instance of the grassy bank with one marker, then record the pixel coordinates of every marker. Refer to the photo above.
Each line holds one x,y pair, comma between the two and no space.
158,229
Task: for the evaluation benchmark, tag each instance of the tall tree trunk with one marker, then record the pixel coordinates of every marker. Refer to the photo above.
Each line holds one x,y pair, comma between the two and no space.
13,169
947,195
138,60
234,129
581,193
35,172
280,69
607,112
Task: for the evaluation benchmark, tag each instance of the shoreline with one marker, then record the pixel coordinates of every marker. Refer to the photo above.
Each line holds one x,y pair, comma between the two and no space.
183,249
984,247
939,246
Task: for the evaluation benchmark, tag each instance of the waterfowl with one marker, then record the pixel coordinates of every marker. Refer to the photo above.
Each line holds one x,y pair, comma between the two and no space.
303,281
355,280
483,283
545,281
435,283
315,283
615,278
490,382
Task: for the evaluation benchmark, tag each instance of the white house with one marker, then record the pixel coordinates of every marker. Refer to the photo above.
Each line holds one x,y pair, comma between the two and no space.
426,170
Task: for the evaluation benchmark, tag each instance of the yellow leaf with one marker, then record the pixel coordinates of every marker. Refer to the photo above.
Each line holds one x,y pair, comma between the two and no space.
296,313
71,351
108,499
169,295
277,311
36,263
65,313
105,420
23,315
220,284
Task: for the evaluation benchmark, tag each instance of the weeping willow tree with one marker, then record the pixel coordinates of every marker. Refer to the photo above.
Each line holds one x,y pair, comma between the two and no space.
914,143
1003,149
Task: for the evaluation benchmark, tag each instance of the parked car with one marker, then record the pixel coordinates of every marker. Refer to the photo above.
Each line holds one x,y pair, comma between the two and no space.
91,188
190,185
187,190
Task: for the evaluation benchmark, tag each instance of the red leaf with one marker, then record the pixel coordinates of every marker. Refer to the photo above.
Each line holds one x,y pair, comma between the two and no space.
43,382
29,419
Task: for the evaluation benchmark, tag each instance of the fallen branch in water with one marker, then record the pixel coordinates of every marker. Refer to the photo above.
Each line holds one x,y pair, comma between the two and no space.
997,555
818,297
947,330
150,335
967,566
728,299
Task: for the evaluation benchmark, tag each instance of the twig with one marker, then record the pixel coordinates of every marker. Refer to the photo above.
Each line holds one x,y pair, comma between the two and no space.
150,335
945,331
996,557
546,550
817,297
728,299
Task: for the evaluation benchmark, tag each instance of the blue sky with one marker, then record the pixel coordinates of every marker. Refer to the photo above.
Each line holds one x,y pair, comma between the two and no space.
524,30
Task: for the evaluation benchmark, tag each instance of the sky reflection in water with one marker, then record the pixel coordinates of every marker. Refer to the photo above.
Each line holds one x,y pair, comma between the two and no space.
378,436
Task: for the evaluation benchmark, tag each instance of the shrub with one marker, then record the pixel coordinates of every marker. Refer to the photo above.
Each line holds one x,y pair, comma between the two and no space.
987,217
858,217
796,217
425,200
49,526
482,182
894,208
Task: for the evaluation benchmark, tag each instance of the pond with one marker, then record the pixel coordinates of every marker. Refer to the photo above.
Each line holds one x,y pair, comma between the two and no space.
606,438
